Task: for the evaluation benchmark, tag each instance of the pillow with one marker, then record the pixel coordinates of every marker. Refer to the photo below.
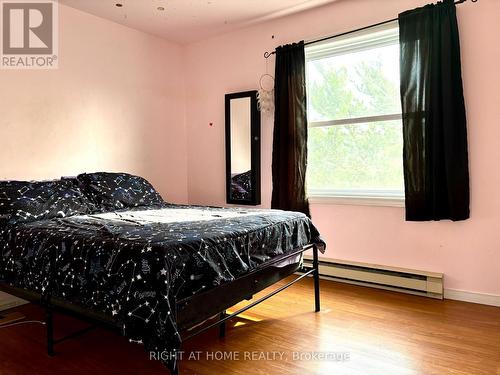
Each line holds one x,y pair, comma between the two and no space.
26,201
119,190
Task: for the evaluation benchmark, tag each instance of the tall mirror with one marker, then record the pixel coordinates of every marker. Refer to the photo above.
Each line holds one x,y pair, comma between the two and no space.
242,148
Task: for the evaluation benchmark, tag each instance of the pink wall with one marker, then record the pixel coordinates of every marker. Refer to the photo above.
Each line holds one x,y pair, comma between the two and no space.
126,100
115,103
467,252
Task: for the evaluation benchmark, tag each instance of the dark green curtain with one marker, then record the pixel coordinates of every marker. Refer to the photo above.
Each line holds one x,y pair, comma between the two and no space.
290,130
434,124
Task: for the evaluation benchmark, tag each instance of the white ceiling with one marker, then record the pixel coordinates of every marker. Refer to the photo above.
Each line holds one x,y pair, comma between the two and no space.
185,21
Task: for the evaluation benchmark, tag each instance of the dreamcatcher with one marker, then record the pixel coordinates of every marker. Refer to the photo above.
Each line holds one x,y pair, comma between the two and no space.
265,95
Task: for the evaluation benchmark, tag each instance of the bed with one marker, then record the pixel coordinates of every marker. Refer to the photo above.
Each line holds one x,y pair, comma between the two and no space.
108,248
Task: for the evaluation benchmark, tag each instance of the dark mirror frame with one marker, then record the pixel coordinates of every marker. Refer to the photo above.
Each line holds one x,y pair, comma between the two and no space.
255,148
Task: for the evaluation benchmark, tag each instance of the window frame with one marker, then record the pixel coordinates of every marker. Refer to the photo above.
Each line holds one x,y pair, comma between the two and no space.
376,37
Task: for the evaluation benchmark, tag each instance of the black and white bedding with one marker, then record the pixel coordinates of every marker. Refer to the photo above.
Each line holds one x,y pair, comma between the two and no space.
241,186
133,263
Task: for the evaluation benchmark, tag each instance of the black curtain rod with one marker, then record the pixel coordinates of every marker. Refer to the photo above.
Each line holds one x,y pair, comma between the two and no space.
268,54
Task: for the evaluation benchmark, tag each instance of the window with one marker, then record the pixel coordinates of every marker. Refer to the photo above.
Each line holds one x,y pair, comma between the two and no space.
354,114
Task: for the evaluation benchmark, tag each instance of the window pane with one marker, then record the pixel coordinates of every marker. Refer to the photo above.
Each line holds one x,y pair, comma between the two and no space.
358,84
356,157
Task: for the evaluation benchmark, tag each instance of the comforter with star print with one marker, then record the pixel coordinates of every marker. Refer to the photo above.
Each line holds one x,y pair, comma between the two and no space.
133,264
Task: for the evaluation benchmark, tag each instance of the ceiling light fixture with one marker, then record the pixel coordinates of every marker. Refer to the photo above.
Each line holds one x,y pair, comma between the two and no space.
119,5
161,8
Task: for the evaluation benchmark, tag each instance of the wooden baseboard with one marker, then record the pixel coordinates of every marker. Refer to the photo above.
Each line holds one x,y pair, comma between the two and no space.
11,318
8,301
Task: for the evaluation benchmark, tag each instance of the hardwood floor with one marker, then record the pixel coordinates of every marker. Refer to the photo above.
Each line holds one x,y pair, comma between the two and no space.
375,332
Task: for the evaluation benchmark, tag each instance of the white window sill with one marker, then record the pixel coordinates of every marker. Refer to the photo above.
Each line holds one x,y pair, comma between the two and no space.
382,201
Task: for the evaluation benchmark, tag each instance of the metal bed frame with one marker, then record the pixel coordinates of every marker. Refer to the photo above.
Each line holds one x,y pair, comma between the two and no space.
215,301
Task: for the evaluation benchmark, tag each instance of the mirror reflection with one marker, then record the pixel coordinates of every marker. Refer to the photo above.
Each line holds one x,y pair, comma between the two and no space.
242,148
241,116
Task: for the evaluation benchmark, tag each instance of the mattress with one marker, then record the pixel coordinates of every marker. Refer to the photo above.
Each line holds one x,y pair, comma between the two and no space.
134,264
